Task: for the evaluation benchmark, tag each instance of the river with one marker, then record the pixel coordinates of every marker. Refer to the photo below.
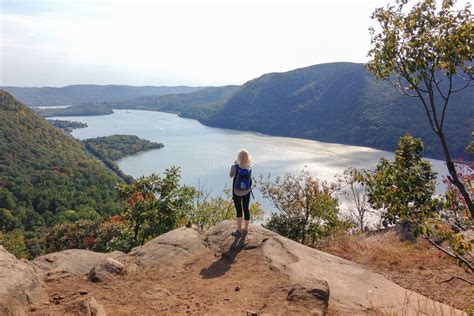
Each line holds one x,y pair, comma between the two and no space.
205,154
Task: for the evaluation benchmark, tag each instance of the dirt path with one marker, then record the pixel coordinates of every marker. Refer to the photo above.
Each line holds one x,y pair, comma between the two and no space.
207,285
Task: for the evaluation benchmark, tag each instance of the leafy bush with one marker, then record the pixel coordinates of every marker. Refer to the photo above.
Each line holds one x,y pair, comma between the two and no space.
308,209
403,189
207,212
14,242
104,236
155,204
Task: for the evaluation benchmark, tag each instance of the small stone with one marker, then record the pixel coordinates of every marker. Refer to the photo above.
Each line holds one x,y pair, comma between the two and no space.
237,288
252,313
226,298
106,269
313,293
83,292
58,297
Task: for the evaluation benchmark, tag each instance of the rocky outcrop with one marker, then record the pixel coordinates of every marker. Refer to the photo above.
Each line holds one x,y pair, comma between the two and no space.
170,250
21,286
315,280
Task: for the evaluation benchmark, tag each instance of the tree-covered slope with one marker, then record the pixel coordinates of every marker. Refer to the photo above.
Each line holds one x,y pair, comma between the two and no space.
77,94
343,103
45,170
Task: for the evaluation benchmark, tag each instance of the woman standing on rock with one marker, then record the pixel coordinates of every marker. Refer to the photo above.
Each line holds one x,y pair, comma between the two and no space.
241,172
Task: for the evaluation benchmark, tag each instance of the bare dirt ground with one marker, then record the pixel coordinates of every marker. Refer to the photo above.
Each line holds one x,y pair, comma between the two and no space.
239,282
418,267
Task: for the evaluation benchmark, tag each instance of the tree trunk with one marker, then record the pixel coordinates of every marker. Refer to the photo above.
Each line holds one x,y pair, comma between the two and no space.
135,232
303,237
454,179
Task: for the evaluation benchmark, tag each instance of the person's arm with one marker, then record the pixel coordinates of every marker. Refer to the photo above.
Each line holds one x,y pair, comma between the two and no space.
232,171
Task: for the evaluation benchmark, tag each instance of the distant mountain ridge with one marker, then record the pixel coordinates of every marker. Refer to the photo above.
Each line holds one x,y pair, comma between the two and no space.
78,94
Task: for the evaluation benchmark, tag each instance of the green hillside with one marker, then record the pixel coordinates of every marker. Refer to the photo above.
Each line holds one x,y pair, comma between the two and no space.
45,171
342,103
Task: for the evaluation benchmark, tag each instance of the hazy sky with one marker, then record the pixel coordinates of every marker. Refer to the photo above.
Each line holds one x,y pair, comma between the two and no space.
57,43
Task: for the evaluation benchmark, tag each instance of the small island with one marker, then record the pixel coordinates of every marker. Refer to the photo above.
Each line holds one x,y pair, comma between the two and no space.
67,126
109,149
116,147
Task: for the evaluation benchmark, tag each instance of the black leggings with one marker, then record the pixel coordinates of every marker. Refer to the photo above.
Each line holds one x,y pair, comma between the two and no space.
242,202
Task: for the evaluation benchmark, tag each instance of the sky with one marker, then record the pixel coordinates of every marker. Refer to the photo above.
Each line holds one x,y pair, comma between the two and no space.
58,43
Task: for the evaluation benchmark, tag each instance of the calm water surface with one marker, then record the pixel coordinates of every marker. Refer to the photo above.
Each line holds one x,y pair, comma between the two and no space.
205,154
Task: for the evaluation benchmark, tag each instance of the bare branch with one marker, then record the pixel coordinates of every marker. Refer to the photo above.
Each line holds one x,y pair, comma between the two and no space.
456,277
421,97
451,254
399,87
460,89
438,88
447,99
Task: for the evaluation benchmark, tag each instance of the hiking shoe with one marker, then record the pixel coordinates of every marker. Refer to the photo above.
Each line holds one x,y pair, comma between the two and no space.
237,233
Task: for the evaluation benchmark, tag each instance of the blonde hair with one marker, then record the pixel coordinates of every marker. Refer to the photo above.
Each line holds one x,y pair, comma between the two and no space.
244,159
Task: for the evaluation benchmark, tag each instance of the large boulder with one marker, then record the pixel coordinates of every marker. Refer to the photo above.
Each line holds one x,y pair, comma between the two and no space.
354,289
170,250
20,285
72,262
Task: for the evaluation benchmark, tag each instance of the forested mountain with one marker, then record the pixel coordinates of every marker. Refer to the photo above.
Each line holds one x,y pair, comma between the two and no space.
199,104
342,103
77,94
46,176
